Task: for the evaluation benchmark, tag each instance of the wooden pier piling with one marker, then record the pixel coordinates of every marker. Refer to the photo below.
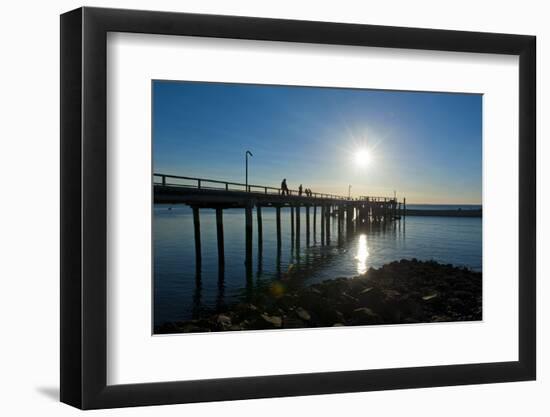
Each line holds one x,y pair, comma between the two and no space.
327,226
260,228
307,225
349,217
278,221
339,220
323,214
219,230
292,224
314,223
248,234
197,228
298,226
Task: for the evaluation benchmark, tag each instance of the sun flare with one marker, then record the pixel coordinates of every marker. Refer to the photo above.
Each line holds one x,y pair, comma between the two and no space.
363,158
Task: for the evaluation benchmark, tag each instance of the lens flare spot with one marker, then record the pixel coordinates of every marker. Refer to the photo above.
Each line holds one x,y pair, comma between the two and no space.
277,289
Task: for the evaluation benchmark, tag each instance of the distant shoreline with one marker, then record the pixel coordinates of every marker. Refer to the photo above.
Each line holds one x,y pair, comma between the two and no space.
445,213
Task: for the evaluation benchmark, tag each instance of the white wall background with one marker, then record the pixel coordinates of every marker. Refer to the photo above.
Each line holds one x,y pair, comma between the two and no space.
29,225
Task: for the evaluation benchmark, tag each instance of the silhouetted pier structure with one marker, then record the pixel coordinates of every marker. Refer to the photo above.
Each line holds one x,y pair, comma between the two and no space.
201,193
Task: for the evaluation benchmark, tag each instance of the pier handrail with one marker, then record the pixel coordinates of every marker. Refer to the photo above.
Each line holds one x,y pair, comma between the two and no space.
205,183
199,183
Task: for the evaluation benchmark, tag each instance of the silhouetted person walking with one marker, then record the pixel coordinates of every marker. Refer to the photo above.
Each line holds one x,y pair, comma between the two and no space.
300,189
284,187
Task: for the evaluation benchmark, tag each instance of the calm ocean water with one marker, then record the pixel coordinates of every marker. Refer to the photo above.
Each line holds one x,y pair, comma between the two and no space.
444,206
181,293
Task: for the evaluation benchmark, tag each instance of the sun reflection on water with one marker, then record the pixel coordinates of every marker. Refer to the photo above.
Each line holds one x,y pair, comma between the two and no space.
362,254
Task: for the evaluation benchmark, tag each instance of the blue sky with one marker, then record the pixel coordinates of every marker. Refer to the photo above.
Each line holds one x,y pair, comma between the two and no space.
426,146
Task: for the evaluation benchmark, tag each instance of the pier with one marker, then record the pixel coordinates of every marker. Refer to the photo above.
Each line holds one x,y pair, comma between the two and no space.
202,193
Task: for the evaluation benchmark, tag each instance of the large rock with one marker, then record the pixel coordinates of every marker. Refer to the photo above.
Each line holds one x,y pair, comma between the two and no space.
334,288
247,311
272,321
372,297
223,321
365,315
303,314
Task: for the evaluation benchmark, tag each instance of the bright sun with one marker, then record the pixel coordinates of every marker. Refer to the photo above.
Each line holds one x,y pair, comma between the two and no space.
363,157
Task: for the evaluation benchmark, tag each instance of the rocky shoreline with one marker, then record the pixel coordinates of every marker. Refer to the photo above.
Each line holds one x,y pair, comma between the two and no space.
406,291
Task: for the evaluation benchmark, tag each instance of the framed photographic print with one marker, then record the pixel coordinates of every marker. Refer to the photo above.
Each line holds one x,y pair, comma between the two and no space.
257,208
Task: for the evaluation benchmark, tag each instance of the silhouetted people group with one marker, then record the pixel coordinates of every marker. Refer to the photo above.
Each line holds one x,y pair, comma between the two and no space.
301,191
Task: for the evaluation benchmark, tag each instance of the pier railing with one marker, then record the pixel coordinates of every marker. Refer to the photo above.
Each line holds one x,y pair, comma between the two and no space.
209,184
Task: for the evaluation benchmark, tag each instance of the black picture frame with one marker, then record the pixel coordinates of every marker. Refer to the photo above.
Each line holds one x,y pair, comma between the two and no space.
84,207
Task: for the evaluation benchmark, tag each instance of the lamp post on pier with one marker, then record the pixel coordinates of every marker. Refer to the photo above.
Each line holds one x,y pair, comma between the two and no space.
246,163
349,192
